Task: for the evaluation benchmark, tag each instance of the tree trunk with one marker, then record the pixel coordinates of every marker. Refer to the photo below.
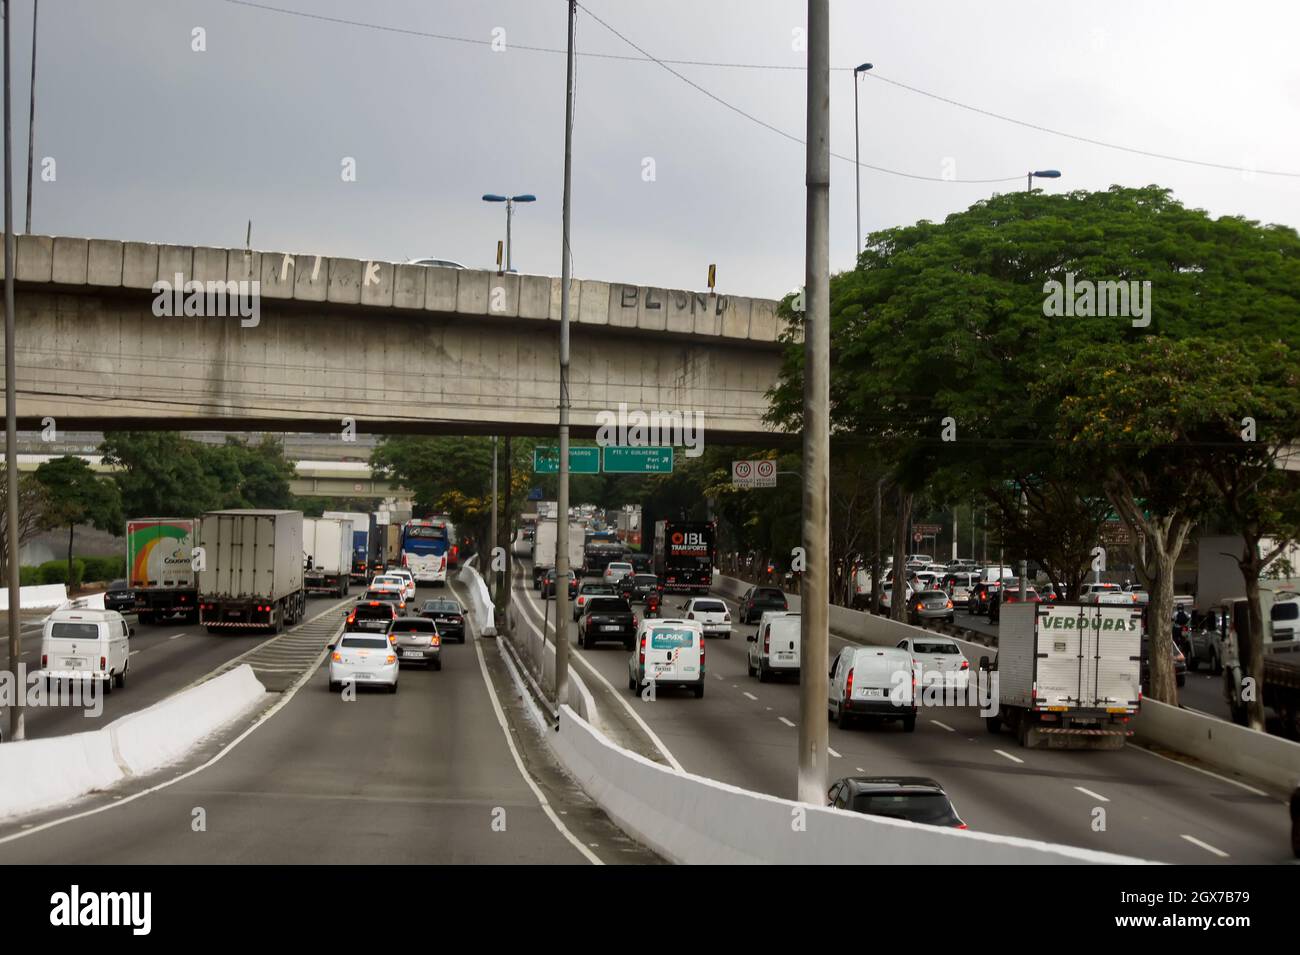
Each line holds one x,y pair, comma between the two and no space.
1253,654
898,593
72,528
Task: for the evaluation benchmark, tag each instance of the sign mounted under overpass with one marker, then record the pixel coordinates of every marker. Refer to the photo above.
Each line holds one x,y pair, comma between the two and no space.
581,460
623,460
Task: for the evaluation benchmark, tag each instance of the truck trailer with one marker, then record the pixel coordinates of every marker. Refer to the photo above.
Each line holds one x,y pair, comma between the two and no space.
327,546
160,569
365,542
252,577
1066,676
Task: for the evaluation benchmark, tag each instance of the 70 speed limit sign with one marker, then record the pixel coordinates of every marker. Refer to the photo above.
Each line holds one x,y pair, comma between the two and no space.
761,473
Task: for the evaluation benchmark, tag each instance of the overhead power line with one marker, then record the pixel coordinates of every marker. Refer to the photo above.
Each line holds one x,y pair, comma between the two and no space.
875,74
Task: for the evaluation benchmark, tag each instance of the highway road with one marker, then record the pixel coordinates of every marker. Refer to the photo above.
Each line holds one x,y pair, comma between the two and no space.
744,732
432,774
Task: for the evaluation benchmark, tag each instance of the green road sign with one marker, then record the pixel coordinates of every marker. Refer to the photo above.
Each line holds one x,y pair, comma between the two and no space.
620,460
581,460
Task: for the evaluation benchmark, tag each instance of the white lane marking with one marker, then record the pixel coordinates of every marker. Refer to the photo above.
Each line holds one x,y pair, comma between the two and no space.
574,652
943,726
1204,845
1226,779
833,753
519,763
750,695
1089,792
717,676
1014,759
785,721
175,636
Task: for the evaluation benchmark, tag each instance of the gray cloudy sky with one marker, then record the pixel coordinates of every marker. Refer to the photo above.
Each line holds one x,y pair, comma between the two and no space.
156,142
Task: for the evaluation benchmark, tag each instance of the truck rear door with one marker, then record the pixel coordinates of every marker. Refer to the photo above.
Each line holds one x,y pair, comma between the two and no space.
1116,641
1059,670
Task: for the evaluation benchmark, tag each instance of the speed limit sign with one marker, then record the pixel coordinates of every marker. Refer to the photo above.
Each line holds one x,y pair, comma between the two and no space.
917,537
740,470
766,469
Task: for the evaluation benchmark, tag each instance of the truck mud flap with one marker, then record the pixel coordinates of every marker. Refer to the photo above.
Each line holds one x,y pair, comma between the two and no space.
1057,737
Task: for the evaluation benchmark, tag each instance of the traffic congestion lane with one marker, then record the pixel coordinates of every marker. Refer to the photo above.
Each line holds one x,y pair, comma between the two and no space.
422,776
165,658
1153,807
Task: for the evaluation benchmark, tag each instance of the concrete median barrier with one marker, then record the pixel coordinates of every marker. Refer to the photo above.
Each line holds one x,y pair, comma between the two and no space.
1226,745
693,820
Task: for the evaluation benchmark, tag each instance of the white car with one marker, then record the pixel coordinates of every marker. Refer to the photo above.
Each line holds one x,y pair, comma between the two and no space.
886,590
711,613
774,649
363,659
1103,593
393,578
84,644
938,660
616,570
874,682
667,652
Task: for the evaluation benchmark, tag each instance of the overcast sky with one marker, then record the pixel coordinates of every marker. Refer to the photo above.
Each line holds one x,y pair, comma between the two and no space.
154,141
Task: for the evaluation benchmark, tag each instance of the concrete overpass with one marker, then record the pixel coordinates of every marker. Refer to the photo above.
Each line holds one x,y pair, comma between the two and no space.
397,348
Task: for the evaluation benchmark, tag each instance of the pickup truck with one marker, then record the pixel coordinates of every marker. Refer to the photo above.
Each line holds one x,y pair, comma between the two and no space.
607,619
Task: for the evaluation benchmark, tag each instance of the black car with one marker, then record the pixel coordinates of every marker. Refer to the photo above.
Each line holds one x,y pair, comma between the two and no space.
607,618
758,599
448,614
641,563
981,596
638,587
1180,665
370,616
119,597
914,798
548,584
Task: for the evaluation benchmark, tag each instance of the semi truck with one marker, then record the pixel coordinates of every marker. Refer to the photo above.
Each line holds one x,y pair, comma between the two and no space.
1279,666
160,568
392,535
327,546
365,543
685,553
251,576
543,549
1066,676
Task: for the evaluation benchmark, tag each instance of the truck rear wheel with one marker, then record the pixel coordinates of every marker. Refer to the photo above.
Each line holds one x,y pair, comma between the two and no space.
144,617
993,723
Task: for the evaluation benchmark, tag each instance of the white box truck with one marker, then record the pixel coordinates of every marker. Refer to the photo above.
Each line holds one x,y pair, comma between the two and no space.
1066,676
543,549
159,568
251,574
366,561
327,550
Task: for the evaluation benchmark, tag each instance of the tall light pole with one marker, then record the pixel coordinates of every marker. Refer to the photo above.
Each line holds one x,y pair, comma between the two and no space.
495,578
1042,174
857,161
562,505
31,119
815,590
11,405
510,212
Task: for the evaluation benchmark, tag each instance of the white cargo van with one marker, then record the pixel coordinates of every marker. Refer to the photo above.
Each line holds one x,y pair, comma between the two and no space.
774,649
877,682
667,653
85,644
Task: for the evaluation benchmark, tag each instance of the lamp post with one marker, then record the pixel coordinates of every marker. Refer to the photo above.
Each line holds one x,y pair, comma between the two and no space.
1042,174
857,162
510,211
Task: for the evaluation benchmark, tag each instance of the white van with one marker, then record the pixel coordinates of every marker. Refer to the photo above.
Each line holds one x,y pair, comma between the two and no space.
667,652
774,648
877,682
992,575
84,644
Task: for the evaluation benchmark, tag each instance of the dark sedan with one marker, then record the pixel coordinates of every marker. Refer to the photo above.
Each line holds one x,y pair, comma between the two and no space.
548,584
607,618
119,597
1180,665
914,798
638,587
449,616
757,599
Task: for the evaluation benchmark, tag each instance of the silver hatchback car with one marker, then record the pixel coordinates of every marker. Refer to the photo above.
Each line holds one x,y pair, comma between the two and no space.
416,640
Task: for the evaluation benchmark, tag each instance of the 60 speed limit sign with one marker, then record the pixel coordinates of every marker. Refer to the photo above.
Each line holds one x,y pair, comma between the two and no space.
761,473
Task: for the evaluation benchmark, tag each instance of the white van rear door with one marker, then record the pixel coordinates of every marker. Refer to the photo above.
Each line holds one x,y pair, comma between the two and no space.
783,642
671,653
72,645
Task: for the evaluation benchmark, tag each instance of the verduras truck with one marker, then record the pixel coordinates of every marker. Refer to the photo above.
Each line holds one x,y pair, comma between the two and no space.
252,576
327,546
159,555
1066,676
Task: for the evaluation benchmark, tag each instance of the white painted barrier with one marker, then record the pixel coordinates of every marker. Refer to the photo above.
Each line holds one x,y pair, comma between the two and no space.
1237,748
480,598
694,820
42,773
40,597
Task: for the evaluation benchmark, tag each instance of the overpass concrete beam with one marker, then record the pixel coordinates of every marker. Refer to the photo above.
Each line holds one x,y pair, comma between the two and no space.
243,266
175,260
377,284
209,264
503,296
71,260
104,263
408,286
139,265
310,275
440,288
277,275
471,292
344,282
534,296
33,258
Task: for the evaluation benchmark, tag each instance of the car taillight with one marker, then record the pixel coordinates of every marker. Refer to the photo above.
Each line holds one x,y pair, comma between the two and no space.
455,551
767,642
352,618
785,605
960,825
337,657
965,664
635,621
435,640
641,655
691,615
103,663
391,658
45,660
948,605
848,684
726,617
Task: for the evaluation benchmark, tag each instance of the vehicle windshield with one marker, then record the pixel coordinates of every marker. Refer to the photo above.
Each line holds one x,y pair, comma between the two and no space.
365,643
366,612
413,626
933,595
592,589
769,593
931,808
75,631
117,585
946,648
391,596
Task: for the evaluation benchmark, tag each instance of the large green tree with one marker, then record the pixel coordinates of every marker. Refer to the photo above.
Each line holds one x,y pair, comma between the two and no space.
77,495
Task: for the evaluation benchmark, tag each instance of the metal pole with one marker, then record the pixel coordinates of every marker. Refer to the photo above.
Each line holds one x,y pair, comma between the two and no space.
11,406
510,211
954,532
1029,184
1024,564
875,563
562,517
496,541
815,591
508,583
31,119
857,173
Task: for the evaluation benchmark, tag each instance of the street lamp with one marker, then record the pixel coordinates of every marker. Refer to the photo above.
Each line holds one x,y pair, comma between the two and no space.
857,166
510,211
1042,174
